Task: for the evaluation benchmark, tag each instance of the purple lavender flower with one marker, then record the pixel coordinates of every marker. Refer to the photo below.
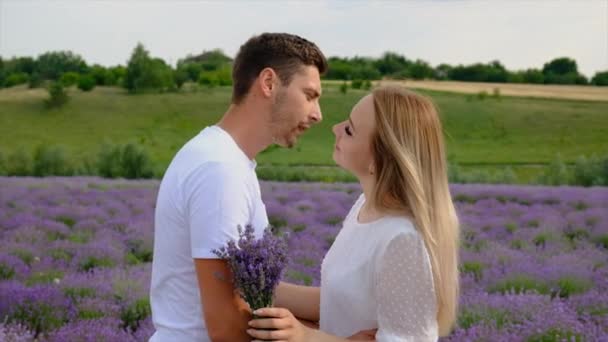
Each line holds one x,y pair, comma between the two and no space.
15,333
256,264
75,256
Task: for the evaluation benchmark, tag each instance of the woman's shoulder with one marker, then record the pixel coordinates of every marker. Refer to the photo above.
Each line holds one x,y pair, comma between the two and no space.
392,226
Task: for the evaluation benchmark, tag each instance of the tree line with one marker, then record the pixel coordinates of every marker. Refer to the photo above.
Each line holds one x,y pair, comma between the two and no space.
144,72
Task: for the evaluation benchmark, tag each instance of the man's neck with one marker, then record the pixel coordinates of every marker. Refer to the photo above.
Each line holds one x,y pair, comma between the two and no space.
248,129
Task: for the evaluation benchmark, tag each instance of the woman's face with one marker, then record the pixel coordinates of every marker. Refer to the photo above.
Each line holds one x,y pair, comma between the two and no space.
353,150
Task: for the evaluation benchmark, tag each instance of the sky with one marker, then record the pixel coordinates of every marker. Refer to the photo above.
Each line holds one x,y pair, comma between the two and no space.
520,34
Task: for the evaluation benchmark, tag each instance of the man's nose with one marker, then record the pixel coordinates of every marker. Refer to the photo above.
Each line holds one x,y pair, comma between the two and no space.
317,116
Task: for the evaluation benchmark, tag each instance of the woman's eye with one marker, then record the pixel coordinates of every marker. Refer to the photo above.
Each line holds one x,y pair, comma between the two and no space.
347,130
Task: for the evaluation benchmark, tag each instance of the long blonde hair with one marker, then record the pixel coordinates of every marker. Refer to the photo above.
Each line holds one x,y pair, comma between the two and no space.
411,176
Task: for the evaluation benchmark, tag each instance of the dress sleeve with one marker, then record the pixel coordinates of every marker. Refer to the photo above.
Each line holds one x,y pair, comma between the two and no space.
406,301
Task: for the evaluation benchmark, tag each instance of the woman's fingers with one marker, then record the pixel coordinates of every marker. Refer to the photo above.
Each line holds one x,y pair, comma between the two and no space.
276,318
270,323
272,312
269,334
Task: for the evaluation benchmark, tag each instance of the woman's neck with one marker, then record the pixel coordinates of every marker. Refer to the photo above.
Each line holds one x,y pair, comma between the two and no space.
369,212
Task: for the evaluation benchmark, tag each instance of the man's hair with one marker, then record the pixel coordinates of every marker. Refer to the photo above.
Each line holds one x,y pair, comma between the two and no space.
284,53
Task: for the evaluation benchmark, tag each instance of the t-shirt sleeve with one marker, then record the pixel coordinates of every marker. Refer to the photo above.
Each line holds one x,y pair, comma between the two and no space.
405,292
217,202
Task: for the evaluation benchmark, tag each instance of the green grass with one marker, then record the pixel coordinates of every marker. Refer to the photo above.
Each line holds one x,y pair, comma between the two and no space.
489,134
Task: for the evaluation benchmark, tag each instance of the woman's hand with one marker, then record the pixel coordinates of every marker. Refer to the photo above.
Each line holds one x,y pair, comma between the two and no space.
364,335
288,328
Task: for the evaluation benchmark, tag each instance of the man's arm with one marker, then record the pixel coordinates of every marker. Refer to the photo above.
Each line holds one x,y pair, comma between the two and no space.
225,313
302,301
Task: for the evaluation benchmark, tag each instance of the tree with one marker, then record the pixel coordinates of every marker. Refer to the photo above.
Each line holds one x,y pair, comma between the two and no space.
102,76
442,71
208,60
52,65
560,66
138,65
421,70
562,70
391,64
145,73
600,78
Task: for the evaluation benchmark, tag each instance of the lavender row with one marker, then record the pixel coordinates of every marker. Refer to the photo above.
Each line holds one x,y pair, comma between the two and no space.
75,256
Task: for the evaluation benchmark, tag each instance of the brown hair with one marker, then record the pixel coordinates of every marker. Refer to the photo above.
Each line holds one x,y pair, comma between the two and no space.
284,53
411,177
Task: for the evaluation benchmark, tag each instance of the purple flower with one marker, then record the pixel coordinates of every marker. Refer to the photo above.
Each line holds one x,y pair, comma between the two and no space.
256,264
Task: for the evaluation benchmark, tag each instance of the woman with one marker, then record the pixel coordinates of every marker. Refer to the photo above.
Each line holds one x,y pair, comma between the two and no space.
393,266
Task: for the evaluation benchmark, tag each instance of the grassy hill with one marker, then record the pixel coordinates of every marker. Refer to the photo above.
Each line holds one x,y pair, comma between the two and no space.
481,133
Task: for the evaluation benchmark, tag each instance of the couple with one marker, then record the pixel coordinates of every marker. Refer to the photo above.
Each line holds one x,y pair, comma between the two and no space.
390,275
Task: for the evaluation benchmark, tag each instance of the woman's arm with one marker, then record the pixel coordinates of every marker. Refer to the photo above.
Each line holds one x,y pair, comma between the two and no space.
302,301
285,327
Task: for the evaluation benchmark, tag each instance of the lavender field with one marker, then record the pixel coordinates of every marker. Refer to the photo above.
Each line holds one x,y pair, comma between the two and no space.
75,257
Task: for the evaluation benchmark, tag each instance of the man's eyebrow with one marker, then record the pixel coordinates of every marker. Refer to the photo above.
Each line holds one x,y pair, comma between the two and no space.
313,92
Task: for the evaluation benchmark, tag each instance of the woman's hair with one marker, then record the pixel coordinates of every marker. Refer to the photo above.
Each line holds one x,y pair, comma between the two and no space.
411,176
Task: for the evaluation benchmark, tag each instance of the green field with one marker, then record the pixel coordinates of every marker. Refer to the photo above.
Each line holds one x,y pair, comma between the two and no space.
489,133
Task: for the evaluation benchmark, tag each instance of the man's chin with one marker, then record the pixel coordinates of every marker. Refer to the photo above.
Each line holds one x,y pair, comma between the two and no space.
285,143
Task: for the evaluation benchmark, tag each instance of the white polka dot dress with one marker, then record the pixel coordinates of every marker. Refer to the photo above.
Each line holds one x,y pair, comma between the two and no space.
377,275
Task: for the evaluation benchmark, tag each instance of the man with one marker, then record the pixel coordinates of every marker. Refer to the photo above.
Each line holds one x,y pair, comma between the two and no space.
211,187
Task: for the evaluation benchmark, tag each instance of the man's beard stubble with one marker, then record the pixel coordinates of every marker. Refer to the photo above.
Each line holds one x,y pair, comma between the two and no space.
280,123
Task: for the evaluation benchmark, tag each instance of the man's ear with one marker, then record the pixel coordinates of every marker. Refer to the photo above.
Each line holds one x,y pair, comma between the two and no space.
267,81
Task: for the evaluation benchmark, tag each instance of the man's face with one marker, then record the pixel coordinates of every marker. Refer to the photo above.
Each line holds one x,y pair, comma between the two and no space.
296,107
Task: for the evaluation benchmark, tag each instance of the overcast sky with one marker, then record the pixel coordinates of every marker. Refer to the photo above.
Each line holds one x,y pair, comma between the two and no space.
520,34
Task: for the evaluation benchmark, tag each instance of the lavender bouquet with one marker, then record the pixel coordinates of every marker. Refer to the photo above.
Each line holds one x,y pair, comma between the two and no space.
256,264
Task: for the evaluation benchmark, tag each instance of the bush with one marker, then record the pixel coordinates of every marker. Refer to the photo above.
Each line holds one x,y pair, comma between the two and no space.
555,173
128,161
16,79
35,81
343,88
86,83
180,77
136,162
356,84
482,95
40,308
457,175
58,96
19,163
219,77
209,79
69,79
496,93
2,164
590,171
51,161
133,314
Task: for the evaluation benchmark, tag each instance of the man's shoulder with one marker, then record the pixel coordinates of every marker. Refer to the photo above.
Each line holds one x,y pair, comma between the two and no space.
210,145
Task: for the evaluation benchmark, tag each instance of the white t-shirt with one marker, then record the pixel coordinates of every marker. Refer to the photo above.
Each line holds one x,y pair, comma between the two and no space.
378,275
208,190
